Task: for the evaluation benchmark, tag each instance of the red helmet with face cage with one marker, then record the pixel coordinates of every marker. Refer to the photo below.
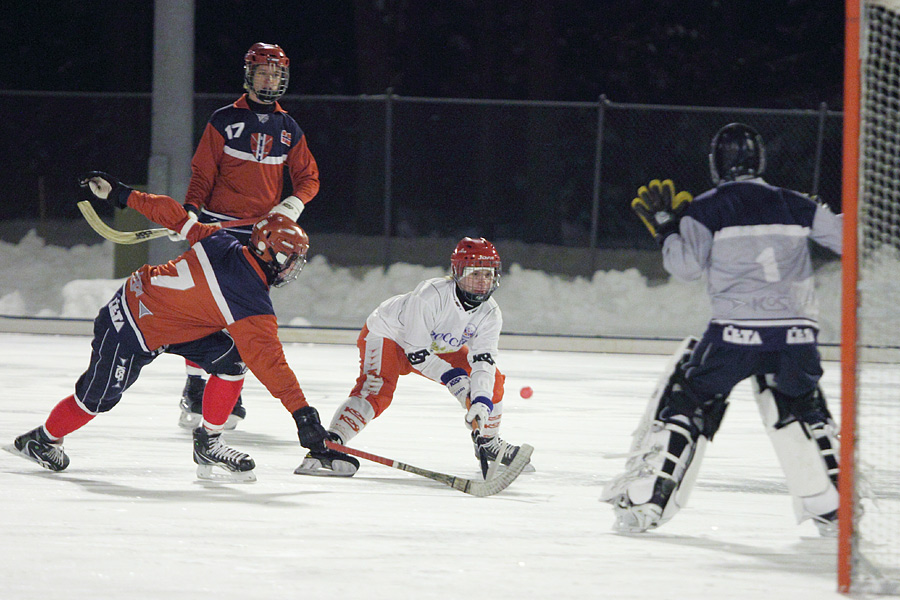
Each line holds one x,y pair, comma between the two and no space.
475,266
281,245
271,57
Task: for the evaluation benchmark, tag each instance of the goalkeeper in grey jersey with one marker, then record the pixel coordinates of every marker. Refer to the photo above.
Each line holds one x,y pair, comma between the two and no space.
750,240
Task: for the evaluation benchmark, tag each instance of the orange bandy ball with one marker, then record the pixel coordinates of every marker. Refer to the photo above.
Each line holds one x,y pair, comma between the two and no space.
526,392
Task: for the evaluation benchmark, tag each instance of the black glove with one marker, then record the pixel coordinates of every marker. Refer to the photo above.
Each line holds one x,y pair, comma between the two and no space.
660,208
106,187
309,429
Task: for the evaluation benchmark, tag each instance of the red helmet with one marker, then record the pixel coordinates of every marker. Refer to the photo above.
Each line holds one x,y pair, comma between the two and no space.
281,245
276,61
475,266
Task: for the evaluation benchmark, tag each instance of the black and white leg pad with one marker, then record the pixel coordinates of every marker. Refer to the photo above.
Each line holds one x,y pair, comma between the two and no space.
808,454
658,478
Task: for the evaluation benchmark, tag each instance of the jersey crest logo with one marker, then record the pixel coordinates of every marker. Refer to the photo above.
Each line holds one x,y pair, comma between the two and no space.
264,118
260,145
285,137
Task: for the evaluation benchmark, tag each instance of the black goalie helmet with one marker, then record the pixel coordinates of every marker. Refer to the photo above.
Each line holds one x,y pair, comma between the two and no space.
736,152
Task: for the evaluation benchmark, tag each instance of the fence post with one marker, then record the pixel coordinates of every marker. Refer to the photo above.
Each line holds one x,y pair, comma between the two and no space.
820,141
388,131
595,193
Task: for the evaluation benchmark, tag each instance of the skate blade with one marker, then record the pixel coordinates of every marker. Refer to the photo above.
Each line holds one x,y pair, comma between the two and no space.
221,475
189,420
827,529
314,467
637,519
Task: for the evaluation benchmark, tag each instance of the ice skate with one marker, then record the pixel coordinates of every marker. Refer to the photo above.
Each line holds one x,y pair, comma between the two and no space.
37,447
494,447
192,406
218,462
635,519
328,463
192,402
237,415
656,482
827,524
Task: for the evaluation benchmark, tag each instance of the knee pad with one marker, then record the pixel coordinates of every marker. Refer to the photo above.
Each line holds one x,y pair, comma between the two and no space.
806,445
352,416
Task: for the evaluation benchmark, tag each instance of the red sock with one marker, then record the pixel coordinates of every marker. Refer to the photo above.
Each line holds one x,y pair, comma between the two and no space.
219,398
66,417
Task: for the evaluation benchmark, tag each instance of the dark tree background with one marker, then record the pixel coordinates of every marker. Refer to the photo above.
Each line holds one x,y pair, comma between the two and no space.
742,53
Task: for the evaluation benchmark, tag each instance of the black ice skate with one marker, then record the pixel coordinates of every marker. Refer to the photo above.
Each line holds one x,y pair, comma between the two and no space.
192,402
493,447
328,463
37,447
192,405
210,452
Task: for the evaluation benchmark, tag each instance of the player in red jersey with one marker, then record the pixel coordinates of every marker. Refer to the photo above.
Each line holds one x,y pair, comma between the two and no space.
210,305
238,172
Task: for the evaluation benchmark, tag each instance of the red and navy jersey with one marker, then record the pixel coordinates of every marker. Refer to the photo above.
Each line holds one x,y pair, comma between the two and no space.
217,284
237,169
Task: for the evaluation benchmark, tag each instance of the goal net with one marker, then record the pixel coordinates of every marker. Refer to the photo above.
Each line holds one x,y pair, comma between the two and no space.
869,538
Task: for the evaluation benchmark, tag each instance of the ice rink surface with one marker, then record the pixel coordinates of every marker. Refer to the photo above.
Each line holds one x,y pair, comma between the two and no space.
129,519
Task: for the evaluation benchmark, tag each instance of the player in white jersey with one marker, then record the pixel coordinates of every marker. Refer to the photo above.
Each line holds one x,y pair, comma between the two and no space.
447,329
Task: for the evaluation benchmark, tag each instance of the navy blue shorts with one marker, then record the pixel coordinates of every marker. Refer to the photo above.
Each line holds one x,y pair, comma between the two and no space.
117,357
716,367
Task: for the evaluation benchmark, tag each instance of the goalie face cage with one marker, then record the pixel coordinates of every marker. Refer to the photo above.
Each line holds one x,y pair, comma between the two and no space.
869,515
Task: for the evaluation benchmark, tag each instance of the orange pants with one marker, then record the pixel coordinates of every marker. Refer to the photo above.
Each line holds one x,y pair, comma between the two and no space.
382,361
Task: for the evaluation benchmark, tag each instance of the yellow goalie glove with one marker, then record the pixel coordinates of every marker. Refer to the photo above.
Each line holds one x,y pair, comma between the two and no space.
660,208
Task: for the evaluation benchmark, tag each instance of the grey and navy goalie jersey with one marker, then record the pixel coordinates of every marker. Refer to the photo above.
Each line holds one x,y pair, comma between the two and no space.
751,240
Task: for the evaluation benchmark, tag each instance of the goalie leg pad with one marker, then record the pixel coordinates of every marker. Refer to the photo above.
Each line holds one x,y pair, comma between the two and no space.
664,458
663,391
807,452
352,416
658,480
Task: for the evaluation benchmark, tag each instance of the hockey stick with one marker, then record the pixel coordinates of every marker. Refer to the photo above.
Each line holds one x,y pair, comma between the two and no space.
467,486
142,235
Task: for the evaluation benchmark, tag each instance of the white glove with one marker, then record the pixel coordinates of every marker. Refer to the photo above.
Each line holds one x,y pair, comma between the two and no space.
457,382
181,236
480,411
291,207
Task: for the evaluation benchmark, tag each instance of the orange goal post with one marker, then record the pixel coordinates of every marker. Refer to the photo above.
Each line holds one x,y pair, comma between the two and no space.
869,514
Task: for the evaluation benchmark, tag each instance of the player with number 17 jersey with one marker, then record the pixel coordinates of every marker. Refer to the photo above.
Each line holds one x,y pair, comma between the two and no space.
237,169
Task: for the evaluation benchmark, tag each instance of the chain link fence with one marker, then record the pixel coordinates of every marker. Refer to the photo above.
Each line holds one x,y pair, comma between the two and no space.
554,173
